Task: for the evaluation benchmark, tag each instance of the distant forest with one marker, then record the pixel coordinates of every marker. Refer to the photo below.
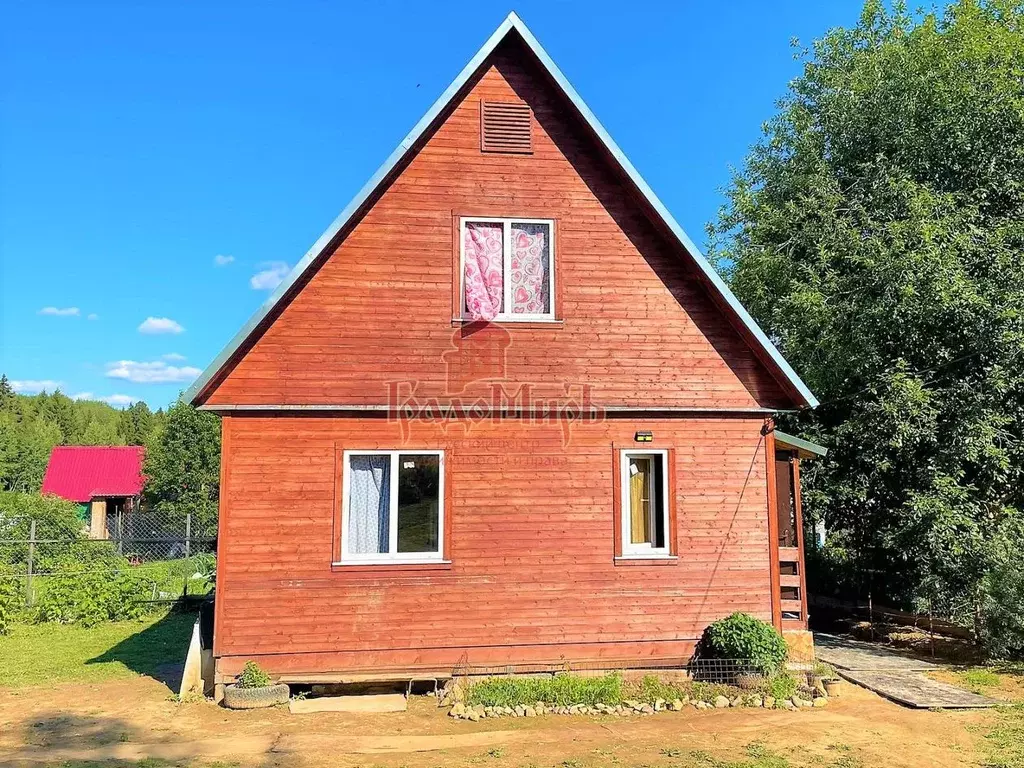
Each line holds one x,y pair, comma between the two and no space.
182,465
31,425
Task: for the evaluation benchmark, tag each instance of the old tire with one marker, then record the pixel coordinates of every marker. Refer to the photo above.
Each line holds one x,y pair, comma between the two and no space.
255,698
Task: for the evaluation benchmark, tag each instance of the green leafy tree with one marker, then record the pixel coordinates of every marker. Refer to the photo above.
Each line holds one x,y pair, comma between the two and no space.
182,465
877,234
59,409
25,446
135,424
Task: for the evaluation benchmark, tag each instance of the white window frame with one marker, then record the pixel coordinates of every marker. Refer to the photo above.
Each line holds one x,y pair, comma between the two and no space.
393,557
506,222
629,549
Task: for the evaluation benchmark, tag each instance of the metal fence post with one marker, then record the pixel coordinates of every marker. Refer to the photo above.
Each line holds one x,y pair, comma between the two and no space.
31,562
188,535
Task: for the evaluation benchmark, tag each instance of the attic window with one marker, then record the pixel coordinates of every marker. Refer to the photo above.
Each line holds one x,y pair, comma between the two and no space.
506,127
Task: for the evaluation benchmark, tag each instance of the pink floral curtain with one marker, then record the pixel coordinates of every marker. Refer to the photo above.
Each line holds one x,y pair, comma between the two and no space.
530,265
484,278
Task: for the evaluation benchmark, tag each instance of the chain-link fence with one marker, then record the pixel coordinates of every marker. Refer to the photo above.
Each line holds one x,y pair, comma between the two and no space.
173,554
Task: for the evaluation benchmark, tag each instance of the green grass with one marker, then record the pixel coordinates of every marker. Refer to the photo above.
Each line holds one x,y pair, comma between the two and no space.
1005,742
42,654
561,690
978,678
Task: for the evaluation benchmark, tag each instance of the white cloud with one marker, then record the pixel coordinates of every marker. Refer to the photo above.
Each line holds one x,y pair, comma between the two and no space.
160,325
119,400
222,260
116,400
34,386
174,357
270,276
156,372
60,311
93,316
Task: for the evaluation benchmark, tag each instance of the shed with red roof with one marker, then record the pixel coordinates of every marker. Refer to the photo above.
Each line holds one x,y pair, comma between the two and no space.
107,478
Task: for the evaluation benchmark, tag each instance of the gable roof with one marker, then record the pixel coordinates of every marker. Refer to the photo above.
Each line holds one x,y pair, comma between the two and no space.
80,472
758,340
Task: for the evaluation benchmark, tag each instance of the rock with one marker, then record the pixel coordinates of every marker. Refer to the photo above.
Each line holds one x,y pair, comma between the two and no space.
821,701
659,705
768,702
676,705
737,702
529,712
520,710
721,702
700,704
458,710
488,711
473,715
819,690
755,701
479,709
788,704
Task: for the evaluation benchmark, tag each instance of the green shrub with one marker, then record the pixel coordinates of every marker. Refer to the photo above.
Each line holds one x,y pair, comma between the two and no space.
741,636
252,676
11,598
781,686
91,587
55,519
562,690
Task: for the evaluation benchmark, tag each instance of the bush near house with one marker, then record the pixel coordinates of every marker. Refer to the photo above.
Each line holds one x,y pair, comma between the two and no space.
10,598
92,586
253,676
743,637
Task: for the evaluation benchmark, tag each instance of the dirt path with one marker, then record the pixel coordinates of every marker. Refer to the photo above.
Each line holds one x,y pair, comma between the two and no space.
134,719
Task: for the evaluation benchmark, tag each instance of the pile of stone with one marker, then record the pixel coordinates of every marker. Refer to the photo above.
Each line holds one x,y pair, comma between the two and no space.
461,711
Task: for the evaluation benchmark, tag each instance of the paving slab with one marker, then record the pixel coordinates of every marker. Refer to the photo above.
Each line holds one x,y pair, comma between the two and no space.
844,653
896,676
914,689
385,702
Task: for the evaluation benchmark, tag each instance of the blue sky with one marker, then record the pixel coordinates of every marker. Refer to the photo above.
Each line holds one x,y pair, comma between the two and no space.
162,163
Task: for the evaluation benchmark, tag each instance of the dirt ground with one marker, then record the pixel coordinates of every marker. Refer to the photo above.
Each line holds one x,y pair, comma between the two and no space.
132,720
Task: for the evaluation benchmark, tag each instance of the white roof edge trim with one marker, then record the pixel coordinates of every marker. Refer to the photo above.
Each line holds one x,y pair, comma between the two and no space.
512,21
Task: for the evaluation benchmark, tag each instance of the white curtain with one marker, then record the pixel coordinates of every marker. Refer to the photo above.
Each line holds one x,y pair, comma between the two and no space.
368,503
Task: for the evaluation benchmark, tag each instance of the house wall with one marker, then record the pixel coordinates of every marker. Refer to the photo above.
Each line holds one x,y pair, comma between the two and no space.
531,542
637,324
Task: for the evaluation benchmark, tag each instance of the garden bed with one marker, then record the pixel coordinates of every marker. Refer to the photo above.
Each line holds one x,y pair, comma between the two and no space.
570,694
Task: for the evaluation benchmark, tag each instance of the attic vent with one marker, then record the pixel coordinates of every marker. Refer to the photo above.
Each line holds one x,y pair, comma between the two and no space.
505,127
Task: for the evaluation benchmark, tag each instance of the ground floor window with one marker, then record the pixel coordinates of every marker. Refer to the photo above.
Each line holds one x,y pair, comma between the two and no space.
392,506
645,520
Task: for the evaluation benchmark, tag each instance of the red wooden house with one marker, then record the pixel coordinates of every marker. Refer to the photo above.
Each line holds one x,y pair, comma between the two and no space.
502,412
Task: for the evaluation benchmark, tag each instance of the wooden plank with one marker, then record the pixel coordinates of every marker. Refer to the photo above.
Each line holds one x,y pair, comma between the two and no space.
772,507
802,571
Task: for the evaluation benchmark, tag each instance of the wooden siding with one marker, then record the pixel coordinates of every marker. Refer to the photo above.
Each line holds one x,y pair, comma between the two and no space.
637,324
531,542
